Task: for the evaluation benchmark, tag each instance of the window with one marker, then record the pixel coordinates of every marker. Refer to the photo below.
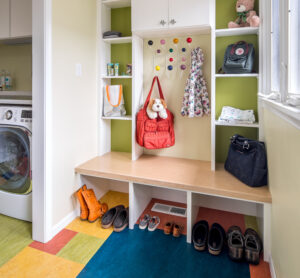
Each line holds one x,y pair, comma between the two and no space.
275,47
294,48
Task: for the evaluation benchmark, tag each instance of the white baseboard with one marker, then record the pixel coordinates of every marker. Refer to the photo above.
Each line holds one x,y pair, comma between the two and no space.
63,223
272,268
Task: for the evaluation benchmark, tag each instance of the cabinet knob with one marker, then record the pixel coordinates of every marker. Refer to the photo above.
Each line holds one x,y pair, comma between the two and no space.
173,21
162,22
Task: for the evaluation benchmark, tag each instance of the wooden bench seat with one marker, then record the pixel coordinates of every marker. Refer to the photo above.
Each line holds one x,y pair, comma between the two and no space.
175,173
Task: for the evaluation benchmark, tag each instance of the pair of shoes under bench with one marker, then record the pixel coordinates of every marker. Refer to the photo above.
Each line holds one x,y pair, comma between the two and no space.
117,216
150,222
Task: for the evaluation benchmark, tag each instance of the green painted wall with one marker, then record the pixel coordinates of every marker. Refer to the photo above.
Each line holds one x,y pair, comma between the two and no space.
236,92
120,136
122,54
223,42
223,135
226,12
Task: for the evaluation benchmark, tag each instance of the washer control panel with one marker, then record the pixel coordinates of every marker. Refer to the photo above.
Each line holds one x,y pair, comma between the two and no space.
16,115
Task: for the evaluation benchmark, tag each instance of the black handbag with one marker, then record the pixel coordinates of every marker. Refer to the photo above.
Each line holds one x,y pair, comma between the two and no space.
239,58
247,161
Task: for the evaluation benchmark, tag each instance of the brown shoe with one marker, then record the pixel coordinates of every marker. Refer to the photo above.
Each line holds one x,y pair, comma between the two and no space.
177,230
93,204
84,212
168,228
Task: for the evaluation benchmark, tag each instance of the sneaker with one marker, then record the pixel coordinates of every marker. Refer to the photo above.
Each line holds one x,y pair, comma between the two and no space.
153,223
144,221
253,246
235,241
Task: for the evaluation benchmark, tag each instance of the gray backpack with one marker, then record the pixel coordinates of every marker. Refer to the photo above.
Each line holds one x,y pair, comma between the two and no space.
239,58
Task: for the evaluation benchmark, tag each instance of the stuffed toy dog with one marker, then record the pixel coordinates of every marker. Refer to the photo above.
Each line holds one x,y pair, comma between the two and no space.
157,107
247,15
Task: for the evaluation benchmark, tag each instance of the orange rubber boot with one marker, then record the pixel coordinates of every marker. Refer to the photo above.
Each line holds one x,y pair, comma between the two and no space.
84,212
93,204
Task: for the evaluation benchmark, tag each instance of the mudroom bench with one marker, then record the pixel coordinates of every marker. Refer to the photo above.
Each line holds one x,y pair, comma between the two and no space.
177,179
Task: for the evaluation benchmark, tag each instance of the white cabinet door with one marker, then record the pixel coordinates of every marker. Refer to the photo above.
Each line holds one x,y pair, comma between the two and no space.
4,19
149,14
188,13
21,18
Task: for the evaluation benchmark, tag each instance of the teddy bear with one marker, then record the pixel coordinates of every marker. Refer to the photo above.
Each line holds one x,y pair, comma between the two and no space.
157,107
247,15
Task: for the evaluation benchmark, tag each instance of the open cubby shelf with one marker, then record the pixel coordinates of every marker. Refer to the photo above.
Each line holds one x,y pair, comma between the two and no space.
236,90
117,130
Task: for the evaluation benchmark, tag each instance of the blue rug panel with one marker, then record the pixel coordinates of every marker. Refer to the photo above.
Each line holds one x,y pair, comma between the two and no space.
137,253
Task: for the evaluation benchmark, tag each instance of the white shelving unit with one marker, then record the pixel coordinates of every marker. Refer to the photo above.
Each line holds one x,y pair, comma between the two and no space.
118,40
125,118
254,125
237,75
114,4
237,32
104,24
219,33
117,77
16,93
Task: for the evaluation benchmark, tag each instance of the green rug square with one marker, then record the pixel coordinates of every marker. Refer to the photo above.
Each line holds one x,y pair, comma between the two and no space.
15,235
81,248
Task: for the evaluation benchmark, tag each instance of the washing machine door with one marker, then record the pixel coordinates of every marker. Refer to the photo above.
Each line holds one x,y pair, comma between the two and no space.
15,172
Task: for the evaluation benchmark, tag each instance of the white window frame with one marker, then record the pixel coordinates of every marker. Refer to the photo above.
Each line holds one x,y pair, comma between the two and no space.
279,105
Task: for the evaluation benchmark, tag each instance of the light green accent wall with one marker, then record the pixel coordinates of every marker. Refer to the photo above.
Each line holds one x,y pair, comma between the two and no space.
223,42
223,135
17,59
122,54
226,12
120,136
236,92
121,21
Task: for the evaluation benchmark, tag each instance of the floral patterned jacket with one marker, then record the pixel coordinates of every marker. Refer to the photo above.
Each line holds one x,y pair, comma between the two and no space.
195,99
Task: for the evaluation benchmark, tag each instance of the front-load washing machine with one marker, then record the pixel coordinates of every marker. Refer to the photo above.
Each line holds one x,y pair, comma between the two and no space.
15,161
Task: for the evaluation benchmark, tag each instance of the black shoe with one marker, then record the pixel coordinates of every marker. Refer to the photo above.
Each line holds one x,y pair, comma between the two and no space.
122,220
200,235
253,246
216,239
235,241
109,217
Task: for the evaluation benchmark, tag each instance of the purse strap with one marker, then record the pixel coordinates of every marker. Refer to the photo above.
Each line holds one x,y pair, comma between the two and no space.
236,44
150,92
120,96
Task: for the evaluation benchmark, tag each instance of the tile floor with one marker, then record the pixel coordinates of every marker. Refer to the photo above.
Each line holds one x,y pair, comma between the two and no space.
69,251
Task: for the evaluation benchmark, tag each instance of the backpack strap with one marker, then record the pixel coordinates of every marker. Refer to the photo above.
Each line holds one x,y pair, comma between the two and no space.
150,92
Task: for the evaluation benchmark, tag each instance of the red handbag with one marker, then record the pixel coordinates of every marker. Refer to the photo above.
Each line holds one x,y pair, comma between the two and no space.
154,133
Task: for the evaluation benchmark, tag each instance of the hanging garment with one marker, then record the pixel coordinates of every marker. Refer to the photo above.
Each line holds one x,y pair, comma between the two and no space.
195,99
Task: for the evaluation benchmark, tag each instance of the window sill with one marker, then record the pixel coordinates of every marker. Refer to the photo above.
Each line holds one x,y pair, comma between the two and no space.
288,113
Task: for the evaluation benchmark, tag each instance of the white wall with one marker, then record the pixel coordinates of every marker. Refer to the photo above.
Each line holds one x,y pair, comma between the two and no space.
74,99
